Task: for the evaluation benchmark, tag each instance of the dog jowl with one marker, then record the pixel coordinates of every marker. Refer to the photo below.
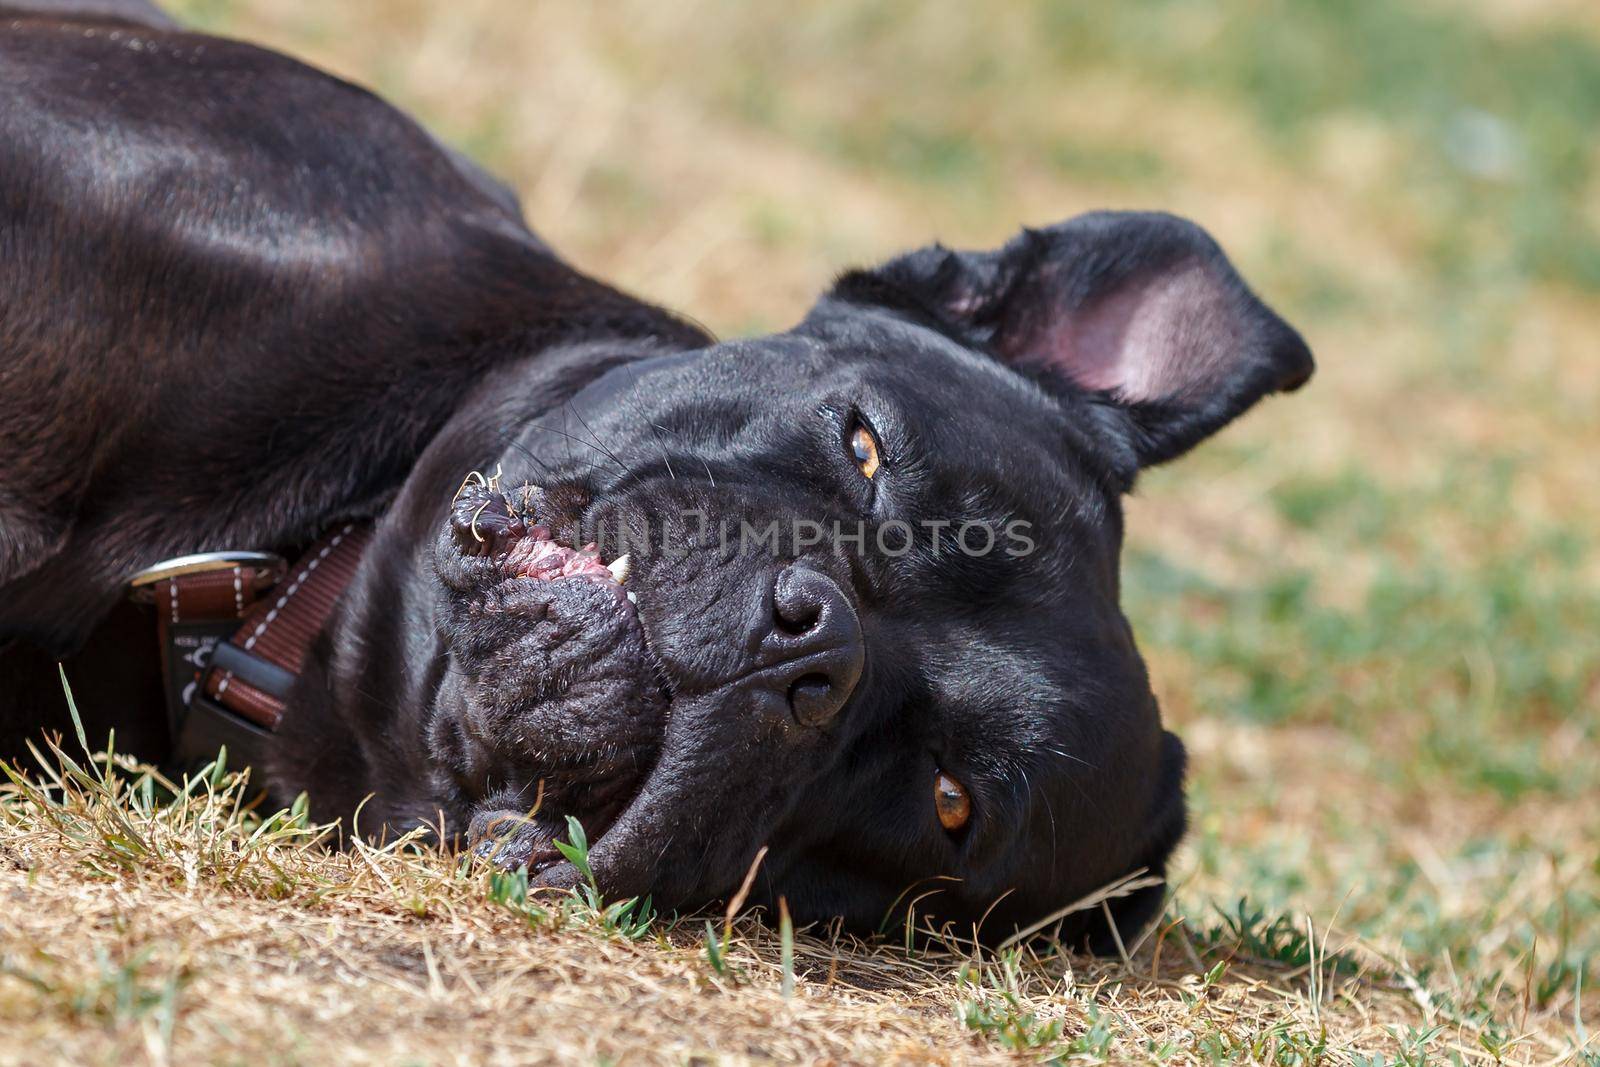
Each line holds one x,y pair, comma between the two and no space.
640,626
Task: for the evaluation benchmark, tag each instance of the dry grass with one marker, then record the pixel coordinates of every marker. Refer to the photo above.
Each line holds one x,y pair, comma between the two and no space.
1371,611
168,922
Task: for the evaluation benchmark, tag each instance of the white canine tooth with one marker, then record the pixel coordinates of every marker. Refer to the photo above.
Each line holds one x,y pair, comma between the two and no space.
633,598
620,568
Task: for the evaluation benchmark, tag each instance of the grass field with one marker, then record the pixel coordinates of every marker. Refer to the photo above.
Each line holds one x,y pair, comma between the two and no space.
1372,610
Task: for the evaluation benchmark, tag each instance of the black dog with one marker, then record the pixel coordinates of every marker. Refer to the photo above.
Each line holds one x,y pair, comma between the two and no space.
872,617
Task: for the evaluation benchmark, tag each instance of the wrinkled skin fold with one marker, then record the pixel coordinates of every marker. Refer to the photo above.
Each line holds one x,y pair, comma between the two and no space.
233,325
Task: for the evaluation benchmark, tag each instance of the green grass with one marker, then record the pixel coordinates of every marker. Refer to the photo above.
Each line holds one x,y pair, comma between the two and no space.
1497,126
1378,620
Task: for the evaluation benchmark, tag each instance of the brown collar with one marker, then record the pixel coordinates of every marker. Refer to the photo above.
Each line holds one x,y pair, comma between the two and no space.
235,629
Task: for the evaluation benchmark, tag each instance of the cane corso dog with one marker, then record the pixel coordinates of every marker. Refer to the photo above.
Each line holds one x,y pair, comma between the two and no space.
868,611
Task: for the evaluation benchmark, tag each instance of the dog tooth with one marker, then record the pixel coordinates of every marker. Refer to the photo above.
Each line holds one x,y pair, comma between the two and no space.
620,568
633,598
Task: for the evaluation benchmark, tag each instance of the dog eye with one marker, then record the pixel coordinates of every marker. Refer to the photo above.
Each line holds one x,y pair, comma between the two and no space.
864,447
950,800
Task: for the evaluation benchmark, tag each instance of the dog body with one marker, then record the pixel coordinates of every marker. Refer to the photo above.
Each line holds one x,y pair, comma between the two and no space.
242,301
241,297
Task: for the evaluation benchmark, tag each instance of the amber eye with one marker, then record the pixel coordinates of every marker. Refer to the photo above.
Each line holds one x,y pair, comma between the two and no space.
950,800
864,447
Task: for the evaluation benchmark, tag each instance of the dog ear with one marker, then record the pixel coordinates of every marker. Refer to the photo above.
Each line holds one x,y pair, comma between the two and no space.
1142,312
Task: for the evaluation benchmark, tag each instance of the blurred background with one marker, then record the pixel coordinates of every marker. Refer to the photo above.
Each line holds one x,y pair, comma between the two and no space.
1372,609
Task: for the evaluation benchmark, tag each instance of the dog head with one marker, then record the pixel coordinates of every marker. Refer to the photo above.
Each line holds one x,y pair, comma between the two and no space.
868,615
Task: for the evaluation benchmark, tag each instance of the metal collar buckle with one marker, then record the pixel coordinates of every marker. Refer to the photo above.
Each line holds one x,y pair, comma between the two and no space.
200,608
267,568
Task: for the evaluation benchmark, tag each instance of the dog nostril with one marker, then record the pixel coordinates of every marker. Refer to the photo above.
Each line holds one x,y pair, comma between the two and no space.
797,604
795,618
813,700
815,645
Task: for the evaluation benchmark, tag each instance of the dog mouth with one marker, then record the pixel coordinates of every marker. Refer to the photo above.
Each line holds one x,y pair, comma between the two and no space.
507,528
567,700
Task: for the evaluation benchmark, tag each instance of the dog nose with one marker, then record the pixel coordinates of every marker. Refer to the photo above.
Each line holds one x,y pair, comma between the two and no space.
817,637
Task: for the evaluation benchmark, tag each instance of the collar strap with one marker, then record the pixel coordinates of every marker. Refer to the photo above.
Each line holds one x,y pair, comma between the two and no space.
235,630
251,673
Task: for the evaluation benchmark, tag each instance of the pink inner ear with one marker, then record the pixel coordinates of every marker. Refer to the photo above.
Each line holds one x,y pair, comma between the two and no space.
1161,337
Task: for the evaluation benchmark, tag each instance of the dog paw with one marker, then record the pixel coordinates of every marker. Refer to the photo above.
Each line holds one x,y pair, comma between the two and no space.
512,839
